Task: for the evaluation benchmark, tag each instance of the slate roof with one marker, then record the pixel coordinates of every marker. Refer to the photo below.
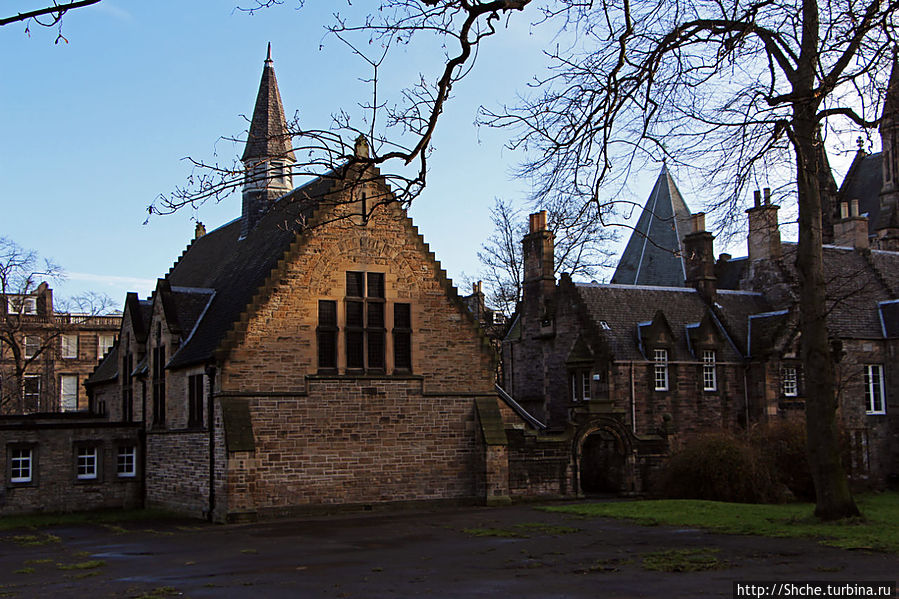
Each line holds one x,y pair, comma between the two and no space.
107,369
767,330
625,307
862,183
857,281
653,255
236,268
889,318
268,134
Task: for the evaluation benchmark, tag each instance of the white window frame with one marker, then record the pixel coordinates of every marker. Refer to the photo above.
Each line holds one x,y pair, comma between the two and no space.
585,385
660,370
875,399
68,401
709,371
789,381
32,351
21,465
86,463
104,342
68,346
32,377
25,305
126,461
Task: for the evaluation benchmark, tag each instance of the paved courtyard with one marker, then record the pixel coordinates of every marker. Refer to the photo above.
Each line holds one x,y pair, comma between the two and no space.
437,553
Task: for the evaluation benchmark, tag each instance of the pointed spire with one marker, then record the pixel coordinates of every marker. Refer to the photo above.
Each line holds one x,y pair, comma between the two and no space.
654,253
268,157
268,137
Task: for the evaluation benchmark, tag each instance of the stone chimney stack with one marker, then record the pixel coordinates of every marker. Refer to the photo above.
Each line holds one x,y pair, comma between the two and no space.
199,230
539,272
852,229
699,257
764,234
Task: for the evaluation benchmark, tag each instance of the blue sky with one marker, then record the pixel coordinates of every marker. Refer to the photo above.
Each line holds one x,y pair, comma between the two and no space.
96,128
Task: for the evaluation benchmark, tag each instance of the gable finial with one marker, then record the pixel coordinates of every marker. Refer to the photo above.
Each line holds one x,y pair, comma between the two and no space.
268,53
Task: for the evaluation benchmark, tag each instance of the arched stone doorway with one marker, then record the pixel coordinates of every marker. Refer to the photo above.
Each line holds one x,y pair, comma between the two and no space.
603,461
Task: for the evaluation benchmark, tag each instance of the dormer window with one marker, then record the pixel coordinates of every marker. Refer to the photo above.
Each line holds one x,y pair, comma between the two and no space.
660,370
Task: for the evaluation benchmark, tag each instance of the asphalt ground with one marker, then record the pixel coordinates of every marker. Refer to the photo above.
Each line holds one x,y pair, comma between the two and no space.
435,553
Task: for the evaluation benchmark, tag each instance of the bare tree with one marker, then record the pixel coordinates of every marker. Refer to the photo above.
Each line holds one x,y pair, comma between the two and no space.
581,247
47,16
30,327
739,90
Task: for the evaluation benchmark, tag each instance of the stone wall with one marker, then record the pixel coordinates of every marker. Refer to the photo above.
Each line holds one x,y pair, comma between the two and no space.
178,471
355,441
54,486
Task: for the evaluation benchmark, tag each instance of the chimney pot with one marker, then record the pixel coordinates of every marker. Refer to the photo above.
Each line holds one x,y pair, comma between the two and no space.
757,198
698,222
844,210
854,208
538,221
767,192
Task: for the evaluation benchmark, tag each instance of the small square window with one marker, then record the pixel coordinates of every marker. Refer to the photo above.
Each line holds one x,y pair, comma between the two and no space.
126,462
86,463
20,464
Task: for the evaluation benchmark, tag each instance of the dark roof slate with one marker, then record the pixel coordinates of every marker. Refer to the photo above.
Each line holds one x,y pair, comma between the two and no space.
268,135
889,317
653,255
107,369
625,307
236,268
862,183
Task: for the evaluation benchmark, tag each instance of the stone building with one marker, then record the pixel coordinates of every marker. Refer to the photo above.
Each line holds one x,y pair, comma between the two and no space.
312,353
681,343
57,351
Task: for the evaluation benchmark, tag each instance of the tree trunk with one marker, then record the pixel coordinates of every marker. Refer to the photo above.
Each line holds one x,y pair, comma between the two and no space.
833,497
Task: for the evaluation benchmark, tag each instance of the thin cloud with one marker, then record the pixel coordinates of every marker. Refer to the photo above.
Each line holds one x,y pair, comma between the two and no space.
112,10
112,279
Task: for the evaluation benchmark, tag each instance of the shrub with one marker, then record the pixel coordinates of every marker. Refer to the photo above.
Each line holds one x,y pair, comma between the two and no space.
720,467
783,446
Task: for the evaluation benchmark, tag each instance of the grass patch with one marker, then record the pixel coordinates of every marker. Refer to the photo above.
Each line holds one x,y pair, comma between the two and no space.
97,517
878,531
88,565
683,560
506,533
31,562
545,529
159,593
249,551
34,540
521,531
24,571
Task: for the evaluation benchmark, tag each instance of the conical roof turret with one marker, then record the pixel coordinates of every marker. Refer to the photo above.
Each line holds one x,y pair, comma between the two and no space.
654,253
268,137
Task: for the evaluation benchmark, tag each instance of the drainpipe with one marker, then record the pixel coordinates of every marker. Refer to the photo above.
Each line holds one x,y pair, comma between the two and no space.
633,402
746,398
210,424
143,439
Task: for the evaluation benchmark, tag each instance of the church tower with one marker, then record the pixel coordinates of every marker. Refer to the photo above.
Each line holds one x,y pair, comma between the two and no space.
268,157
888,219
